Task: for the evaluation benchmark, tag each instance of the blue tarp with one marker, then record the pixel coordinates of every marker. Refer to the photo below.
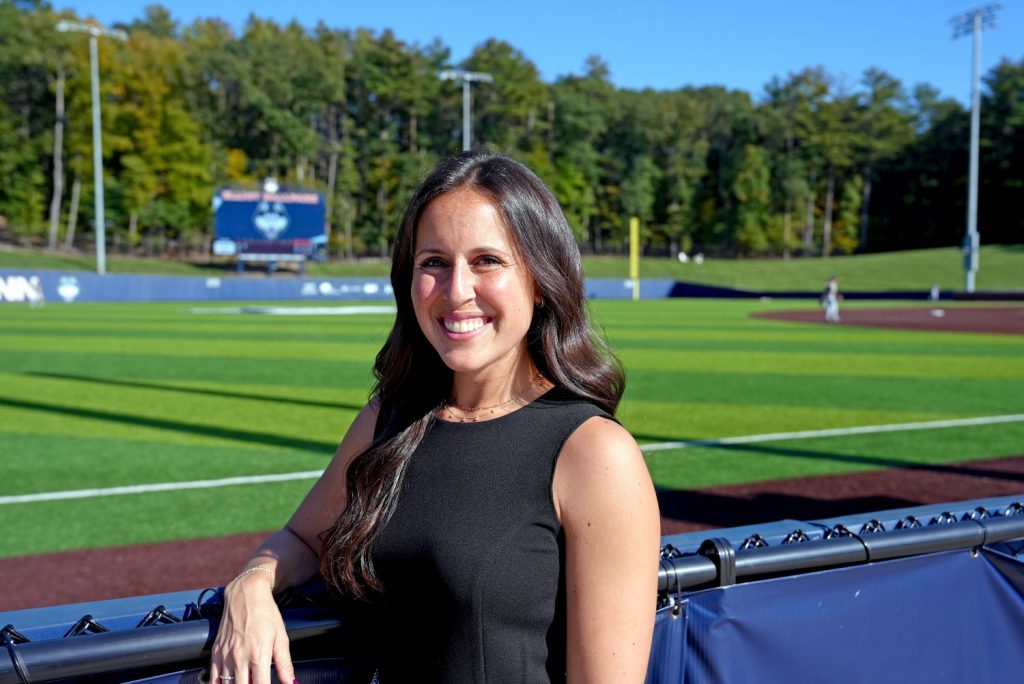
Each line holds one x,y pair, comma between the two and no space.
956,616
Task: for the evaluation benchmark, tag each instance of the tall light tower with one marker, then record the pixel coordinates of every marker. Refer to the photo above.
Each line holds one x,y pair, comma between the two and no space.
97,135
466,78
972,22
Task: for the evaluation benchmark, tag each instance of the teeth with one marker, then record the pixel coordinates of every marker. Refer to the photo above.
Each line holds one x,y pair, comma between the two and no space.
468,325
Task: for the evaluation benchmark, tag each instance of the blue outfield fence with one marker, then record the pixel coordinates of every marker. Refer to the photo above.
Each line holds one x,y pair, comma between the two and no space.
18,286
924,594
21,286
24,286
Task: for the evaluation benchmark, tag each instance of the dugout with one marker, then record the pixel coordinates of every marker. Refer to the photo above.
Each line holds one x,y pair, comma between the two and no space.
924,594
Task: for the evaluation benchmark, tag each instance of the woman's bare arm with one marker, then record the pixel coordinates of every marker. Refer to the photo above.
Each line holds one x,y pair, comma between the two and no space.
251,633
606,502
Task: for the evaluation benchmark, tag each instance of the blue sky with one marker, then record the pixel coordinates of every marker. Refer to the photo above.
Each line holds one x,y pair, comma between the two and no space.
662,44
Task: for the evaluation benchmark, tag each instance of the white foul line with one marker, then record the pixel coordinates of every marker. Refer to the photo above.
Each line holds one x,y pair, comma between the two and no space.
834,432
646,448
159,487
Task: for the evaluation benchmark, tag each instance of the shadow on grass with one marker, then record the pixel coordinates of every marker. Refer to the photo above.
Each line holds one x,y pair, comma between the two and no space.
191,390
244,436
723,510
747,506
876,461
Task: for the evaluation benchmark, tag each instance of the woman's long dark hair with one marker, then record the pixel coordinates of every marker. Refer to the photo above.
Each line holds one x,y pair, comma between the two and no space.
412,381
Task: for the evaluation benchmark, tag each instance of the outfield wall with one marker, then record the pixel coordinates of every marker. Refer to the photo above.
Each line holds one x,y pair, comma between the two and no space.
22,286
25,285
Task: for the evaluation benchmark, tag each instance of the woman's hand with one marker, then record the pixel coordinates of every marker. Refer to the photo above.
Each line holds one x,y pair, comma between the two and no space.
251,635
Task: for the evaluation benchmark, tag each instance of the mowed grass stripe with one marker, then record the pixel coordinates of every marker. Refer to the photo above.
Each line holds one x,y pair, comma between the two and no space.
316,373
97,462
124,411
792,362
104,333
666,421
158,516
746,391
254,348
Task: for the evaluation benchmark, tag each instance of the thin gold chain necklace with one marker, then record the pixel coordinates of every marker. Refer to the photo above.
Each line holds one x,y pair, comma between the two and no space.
490,410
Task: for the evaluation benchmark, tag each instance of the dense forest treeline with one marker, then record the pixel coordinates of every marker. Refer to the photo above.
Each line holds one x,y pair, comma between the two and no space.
807,167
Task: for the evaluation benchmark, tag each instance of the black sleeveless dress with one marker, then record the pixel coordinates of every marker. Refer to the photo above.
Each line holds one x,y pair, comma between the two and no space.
472,560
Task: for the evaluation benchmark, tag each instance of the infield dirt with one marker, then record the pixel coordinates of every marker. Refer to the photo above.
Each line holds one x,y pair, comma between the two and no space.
993,319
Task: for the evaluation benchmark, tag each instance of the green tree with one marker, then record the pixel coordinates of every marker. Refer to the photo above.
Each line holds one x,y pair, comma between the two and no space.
1002,154
751,186
508,113
882,127
580,108
156,149
26,113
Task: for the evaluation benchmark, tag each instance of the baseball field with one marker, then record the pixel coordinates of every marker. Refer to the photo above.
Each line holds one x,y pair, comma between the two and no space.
148,447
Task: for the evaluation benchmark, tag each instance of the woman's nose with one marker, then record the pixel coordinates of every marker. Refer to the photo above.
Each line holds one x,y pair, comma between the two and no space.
462,283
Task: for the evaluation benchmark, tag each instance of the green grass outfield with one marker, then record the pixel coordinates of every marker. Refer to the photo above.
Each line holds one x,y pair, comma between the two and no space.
99,396
1002,268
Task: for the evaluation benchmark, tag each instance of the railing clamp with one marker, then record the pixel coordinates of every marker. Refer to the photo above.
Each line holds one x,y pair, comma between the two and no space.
723,555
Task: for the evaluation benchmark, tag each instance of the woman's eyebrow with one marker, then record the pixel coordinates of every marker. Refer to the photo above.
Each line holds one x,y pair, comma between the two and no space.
473,250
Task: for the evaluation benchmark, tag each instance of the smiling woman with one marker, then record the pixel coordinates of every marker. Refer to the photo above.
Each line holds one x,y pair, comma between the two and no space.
485,499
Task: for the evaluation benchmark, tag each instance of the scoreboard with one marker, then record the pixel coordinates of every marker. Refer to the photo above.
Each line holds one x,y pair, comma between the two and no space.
259,225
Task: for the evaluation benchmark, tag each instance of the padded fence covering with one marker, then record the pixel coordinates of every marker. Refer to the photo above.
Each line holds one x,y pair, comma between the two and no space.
15,287
955,616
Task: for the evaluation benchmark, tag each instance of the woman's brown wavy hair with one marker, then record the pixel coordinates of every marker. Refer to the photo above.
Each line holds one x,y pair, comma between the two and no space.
412,381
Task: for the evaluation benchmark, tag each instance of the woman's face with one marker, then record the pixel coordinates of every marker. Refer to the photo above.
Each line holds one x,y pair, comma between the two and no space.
471,291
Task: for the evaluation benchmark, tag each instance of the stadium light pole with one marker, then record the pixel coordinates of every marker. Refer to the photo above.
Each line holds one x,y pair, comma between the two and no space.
973,22
97,135
466,78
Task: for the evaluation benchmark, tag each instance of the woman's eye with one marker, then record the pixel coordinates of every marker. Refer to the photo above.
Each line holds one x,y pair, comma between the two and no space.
489,261
432,262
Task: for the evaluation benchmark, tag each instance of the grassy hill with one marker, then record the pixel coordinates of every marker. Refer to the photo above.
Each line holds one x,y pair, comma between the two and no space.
1002,268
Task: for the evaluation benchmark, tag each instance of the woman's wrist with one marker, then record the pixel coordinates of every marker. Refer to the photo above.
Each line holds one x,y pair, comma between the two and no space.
263,570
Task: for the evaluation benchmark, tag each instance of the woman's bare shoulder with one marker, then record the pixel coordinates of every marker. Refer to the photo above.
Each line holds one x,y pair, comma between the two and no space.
599,462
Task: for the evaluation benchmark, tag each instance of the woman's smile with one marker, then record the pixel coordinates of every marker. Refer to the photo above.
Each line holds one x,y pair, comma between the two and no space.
464,328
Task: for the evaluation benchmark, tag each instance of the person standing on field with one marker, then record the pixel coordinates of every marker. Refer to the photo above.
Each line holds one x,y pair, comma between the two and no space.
830,300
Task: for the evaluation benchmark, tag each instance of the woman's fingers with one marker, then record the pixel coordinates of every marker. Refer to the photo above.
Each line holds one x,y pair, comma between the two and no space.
283,660
250,637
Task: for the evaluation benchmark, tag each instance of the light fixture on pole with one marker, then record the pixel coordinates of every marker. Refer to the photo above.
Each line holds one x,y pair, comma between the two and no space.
97,138
466,78
972,22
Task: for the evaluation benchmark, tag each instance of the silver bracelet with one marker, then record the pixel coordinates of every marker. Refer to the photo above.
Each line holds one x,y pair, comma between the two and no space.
265,568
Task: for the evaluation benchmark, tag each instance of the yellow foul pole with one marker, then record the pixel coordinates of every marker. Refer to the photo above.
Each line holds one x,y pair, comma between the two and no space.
634,256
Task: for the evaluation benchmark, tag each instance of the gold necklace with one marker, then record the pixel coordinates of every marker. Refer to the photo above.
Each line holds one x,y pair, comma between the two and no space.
491,410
